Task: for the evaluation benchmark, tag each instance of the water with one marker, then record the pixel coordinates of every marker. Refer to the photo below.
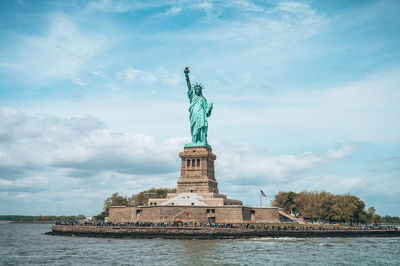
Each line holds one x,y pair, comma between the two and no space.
26,244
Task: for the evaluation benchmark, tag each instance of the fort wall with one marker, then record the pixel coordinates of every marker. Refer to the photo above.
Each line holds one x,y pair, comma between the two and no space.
194,214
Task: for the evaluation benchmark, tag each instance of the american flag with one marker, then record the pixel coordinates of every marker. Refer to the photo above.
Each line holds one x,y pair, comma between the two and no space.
262,193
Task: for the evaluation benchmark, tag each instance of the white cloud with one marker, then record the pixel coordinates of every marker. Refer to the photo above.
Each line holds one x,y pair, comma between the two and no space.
206,5
136,75
277,27
296,8
242,170
79,158
344,151
210,7
245,5
56,158
111,6
99,73
79,81
9,65
123,6
63,51
361,111
78,144
169,78
173,11
5,182
112,86
247,165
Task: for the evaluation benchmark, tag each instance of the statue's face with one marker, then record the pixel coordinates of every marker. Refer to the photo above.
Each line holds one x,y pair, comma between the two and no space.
197,90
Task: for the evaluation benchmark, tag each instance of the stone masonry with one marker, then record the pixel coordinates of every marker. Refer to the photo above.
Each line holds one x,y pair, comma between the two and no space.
197,199
197,171
195,214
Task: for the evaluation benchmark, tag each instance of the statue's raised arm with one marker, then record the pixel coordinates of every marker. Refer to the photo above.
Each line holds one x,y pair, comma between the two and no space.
187,71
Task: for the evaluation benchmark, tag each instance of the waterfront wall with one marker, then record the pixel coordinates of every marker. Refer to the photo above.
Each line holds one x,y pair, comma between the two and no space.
207,232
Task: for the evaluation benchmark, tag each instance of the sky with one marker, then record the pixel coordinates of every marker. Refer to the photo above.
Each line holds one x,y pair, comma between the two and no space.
93,99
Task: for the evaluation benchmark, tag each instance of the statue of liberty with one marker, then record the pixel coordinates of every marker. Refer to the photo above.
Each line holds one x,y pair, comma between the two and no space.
199,111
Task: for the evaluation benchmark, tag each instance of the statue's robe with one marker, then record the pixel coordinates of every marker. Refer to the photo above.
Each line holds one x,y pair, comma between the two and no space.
198,116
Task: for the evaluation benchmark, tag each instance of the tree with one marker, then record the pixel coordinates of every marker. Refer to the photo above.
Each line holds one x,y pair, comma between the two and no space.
390,219
326,206
371,210
358,209
143,197
376,219
308,203
114,200
286,201
365,218
344,208
133,201
369,216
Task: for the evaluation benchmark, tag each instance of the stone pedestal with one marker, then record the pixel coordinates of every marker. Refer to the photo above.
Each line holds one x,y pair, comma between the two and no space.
197,171
197,185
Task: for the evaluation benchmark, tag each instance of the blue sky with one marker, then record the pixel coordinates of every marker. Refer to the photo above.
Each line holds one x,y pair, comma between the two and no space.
93,98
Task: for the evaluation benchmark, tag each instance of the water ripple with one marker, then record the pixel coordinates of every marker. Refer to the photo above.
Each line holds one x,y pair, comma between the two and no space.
26,244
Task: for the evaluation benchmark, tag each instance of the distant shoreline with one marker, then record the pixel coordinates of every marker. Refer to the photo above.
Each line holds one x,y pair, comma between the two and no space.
207,233
28,222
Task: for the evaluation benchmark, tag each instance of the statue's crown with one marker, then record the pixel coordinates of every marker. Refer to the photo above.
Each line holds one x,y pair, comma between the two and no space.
198,85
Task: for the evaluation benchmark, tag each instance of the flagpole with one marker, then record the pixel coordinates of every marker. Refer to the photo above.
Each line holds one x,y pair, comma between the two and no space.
261,195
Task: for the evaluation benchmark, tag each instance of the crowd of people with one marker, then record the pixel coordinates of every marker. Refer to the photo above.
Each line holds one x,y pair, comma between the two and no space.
293,227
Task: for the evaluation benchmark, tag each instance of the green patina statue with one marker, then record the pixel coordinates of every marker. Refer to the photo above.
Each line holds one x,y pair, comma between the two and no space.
199,111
